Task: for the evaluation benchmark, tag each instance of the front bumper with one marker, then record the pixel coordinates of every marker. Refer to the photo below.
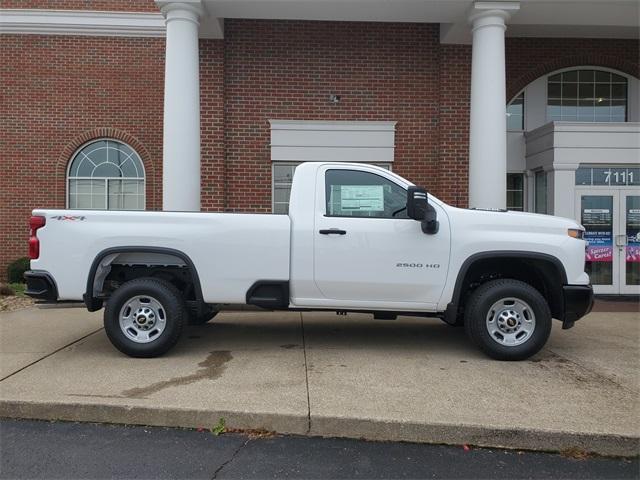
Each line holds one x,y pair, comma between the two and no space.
578,301
41,286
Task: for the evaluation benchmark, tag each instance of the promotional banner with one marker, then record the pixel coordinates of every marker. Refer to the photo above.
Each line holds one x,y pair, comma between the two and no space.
598,234
633,235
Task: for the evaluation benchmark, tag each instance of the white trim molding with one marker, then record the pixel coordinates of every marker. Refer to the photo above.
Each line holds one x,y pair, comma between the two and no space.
81,22
346,141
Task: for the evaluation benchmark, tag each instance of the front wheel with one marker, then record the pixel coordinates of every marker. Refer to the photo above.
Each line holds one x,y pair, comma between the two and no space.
144,317
508,319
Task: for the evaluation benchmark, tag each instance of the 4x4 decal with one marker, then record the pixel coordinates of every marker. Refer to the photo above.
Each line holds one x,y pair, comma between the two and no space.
72,218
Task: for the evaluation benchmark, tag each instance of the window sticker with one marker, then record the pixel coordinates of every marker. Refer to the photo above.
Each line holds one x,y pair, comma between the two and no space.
599,235
369,198
633,235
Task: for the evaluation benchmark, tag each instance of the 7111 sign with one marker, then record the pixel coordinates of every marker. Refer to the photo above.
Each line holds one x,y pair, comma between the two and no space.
618,176
610,176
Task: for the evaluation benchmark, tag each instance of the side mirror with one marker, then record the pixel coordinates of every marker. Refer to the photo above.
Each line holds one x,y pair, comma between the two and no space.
417,203
419,209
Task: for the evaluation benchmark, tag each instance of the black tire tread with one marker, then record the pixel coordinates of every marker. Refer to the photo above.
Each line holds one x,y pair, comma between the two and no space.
176,305
474,321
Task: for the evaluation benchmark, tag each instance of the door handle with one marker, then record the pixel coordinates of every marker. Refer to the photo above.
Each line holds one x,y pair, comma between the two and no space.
621,240
333,231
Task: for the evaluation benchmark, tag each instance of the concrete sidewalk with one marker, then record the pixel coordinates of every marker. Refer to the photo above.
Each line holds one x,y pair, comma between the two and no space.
322,374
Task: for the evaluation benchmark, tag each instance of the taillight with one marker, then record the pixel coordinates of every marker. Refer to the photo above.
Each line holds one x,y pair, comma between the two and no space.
34,244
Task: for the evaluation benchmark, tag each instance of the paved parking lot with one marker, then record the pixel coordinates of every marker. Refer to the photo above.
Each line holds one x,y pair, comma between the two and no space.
322,374
85,450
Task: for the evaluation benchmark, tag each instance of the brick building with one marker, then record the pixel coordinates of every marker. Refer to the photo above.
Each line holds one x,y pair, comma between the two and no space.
90,119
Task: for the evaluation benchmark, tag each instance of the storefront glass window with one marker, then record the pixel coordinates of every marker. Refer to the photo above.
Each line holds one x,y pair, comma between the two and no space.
515,191
515,113
632,257
541,192
597,219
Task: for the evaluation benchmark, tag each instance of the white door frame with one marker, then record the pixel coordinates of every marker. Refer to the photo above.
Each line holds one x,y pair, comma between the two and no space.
614,288
619,236
624,288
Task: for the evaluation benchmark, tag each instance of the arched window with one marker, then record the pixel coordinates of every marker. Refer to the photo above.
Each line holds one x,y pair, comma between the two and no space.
587,95
106,175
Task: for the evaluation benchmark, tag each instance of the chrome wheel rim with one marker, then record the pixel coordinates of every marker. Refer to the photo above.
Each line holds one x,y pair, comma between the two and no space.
510,321
142,319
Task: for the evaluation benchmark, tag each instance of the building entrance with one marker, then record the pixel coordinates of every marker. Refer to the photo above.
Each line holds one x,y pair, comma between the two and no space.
611,218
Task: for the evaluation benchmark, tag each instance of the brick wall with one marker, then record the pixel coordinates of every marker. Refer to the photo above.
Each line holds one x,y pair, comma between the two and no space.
530,58
455,89
212,144
58,92
287,69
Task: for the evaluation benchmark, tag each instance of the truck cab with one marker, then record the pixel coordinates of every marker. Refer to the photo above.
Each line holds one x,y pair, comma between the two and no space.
353,245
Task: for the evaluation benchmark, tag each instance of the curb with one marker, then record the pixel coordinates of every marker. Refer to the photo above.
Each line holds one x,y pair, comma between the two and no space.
151,416
605,444
325,426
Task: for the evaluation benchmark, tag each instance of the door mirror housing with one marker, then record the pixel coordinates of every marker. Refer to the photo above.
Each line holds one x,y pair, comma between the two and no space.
419,209
417,203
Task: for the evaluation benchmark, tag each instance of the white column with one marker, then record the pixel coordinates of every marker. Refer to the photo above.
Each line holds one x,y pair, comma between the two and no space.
562,190
487,129
181,141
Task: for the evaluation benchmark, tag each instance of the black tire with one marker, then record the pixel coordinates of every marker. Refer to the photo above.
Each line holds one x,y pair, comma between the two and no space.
173,313
477,310
203,318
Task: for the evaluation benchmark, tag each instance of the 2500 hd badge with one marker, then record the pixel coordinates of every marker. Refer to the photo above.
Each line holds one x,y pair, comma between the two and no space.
418,265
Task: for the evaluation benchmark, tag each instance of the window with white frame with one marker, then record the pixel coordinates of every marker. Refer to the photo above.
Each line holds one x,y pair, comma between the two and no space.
106,175
515,113
587,95
540,192
515,191
282,176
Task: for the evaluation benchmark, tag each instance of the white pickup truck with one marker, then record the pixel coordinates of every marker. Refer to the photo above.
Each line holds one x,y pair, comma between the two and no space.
357,238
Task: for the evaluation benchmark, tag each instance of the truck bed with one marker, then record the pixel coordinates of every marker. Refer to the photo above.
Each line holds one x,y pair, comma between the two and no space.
222,246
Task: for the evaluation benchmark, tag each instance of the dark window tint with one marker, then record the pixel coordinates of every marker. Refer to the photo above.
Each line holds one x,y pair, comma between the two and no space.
515,191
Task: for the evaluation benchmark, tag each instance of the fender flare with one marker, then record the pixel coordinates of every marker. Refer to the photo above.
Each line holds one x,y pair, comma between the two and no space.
92,303
452,307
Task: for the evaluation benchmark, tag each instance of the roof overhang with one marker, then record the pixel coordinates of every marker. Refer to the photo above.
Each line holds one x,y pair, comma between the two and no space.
533,18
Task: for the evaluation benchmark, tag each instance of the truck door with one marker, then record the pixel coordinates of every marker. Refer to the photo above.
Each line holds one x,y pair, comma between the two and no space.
367,252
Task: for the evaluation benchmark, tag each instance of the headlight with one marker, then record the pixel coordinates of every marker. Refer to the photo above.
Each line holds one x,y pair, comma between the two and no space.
576,233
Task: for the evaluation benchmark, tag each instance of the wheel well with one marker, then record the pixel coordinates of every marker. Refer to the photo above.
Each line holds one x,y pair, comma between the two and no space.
114,267
178,276
543,272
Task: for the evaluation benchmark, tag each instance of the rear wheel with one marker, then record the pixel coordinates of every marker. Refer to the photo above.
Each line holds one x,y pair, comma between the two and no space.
508,319
144,317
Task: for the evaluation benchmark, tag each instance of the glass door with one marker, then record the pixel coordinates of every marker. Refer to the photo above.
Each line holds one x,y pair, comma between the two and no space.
628,242
611,218
598,214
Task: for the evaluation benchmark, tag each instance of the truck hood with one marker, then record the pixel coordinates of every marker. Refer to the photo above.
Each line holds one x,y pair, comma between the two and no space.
515,221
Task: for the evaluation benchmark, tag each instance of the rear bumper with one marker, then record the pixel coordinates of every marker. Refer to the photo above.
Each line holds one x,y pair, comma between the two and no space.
41,286
578,301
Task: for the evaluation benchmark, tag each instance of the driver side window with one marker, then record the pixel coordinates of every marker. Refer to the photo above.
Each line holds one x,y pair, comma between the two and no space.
353,193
